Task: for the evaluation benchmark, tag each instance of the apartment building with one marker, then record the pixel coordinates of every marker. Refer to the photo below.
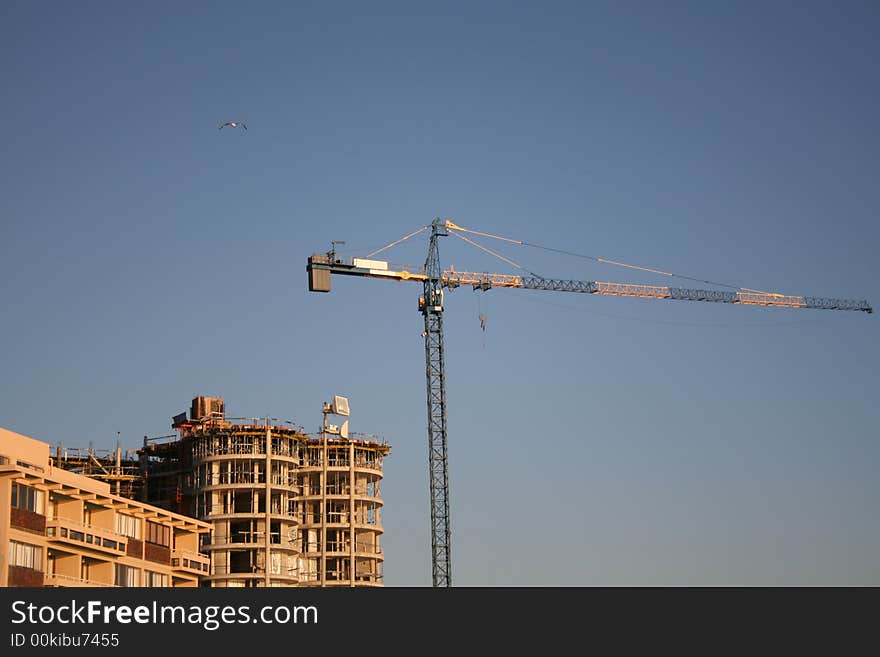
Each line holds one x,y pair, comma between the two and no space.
60,528
286,508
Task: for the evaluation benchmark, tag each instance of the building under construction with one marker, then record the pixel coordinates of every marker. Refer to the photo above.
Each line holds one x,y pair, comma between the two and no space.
287,508
112,467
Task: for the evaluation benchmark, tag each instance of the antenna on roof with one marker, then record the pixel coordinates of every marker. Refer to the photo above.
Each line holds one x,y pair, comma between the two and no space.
332,251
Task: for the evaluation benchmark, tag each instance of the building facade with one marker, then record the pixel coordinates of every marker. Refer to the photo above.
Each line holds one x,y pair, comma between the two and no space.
59,528
286,508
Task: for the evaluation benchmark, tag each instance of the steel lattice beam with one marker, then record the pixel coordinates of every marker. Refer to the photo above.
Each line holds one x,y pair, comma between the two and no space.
431,306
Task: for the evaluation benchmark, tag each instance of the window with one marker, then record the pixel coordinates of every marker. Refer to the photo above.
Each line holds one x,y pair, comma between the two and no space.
155,579
128,526
158,534
27,498
125,575
25,555
30,466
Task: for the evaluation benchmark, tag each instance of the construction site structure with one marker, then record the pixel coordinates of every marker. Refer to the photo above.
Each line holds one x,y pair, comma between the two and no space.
112,467
287,508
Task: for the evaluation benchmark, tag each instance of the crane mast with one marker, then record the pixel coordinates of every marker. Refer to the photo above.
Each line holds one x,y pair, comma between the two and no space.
434,279
431,306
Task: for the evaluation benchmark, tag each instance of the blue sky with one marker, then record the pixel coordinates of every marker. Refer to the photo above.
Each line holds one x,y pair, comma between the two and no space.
147,256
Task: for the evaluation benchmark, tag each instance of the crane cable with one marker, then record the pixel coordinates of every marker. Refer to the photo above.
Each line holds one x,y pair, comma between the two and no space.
455,227
497,255
405,237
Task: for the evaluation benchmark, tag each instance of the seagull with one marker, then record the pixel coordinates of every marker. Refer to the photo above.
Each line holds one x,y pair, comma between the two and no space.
233,124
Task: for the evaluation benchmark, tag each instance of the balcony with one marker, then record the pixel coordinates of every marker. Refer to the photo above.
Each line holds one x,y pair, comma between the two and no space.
64,530
190,562
67,581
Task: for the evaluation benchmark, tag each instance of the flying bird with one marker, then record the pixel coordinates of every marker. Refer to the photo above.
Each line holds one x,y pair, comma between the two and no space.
233,124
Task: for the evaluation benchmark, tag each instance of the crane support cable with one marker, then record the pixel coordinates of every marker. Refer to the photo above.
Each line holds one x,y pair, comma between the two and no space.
623,264
405,237
453,226
497,255
664,273
606,261
656,271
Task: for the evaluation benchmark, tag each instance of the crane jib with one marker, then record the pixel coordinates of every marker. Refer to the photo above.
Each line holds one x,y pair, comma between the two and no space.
486,281
320,267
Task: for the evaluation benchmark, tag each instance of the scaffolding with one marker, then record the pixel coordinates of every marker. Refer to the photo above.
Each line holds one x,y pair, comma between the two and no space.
287,508
114,467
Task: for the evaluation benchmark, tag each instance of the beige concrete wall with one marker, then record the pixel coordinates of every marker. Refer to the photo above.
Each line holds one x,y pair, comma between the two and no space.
18,447
68,565
102,517
69,508
5,503
102,572
187,541
77,480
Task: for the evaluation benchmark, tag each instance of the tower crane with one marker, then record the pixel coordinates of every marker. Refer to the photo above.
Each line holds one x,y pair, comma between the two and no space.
434,279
